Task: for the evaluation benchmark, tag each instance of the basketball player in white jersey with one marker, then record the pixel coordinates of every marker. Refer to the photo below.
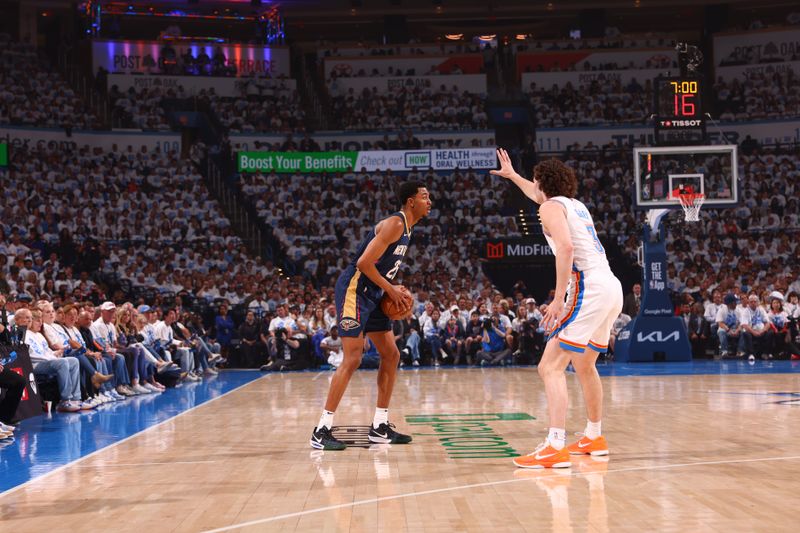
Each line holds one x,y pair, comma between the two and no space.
588,298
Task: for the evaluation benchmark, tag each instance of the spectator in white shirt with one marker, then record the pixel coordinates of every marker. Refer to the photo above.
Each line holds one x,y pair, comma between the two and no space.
105,334
162,331
282,322
49,363
756,331
332,346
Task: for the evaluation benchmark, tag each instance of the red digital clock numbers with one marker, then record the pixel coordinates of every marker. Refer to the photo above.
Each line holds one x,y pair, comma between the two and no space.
684,98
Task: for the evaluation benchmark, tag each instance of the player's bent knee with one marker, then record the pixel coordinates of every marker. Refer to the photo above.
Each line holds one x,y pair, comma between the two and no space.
350,364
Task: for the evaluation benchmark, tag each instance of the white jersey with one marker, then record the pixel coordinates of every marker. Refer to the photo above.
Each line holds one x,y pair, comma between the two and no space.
594,294
588,252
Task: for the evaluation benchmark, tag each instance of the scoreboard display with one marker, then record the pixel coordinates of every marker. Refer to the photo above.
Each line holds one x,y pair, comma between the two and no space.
679,110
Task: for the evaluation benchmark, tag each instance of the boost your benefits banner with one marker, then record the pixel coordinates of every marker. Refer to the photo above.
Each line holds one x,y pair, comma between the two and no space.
395,160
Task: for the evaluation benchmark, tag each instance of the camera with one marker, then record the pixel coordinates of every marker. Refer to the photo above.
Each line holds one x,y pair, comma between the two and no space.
280,332
488,323
529,326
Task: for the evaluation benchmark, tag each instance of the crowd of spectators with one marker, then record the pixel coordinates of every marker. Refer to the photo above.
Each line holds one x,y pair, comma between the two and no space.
102,354
389,70
758,95
425,108
591,104
663,61
140,108
32,93
612,40
375,50
403,140
320,219
143,219
273,108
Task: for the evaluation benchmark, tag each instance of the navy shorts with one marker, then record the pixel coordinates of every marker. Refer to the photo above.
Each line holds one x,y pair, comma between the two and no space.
358,307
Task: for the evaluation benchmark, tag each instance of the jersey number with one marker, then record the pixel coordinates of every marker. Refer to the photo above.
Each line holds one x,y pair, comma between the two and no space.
393,272
597,244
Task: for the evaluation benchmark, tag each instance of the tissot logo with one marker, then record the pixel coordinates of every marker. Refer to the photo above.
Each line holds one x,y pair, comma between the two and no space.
658,336
494,251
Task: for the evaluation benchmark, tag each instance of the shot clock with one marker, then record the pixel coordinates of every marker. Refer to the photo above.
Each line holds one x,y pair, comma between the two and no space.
679,111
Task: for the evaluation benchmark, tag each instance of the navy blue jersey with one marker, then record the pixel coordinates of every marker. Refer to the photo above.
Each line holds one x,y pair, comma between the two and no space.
357,297
392,259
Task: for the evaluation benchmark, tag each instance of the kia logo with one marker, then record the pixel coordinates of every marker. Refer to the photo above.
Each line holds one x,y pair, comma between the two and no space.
658,336
494,251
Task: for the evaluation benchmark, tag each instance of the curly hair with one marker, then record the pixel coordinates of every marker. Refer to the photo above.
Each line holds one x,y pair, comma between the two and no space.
556,179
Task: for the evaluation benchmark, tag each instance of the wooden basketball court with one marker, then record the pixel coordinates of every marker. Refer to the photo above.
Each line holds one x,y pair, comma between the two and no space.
708,452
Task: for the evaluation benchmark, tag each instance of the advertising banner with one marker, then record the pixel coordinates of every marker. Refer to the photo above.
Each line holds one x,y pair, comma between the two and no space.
471,83
304,162
757,46
660,58
545,80
228,87
764,131
395,160
34,137
345,67
744,71
3,155
356,142
527,249
146,56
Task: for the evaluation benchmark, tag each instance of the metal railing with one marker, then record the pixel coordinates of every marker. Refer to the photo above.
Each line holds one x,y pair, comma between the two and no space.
246,227
84,85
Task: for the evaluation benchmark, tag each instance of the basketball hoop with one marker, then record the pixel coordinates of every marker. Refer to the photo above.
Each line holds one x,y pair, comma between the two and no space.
691,203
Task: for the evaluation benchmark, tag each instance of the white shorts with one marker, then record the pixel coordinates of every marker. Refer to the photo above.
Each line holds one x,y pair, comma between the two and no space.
594,301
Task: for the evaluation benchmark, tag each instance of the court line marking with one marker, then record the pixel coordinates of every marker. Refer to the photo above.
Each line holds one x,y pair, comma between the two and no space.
114,465
484,484
126,439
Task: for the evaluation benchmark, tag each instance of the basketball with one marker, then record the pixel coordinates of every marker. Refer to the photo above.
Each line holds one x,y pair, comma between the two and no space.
391,310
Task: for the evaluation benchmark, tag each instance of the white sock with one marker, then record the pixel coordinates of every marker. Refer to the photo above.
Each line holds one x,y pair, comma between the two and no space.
592,430
326,420
557,437
381,417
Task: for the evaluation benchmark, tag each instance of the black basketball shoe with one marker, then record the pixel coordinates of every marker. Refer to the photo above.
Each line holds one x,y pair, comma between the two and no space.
323,439
385,434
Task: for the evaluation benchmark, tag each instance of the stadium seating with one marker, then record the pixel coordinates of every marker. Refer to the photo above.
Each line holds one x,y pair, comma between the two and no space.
33,94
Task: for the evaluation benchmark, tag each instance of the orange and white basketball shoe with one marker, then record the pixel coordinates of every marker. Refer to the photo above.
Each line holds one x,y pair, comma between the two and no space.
587,446
545,456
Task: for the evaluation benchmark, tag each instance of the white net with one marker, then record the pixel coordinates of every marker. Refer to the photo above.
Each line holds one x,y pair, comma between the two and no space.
691,204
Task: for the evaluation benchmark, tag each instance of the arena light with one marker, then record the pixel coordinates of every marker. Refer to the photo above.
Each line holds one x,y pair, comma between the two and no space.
521,36
454,36
488,37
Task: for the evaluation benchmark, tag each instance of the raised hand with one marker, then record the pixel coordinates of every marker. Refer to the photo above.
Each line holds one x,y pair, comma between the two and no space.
506,167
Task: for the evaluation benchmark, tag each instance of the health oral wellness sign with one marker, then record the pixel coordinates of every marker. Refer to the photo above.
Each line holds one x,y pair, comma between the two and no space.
395,160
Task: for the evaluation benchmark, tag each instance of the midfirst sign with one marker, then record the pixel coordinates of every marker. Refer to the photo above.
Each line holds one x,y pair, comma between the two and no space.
517,250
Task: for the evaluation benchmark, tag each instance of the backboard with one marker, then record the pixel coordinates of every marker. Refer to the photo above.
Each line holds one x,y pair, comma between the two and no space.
661,174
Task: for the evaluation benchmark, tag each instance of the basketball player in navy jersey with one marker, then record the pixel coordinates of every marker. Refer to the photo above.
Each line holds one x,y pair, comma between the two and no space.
359,290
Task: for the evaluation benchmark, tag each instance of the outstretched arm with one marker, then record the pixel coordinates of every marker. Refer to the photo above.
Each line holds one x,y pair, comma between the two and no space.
507,171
